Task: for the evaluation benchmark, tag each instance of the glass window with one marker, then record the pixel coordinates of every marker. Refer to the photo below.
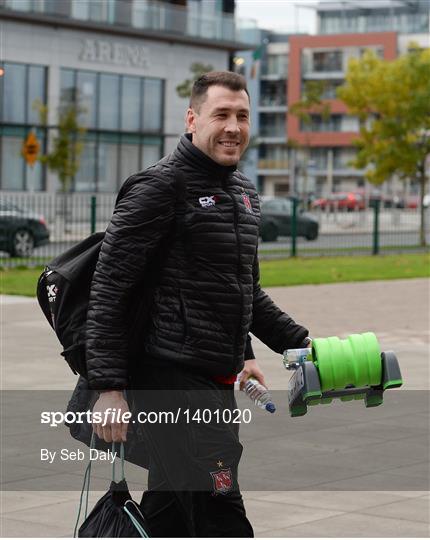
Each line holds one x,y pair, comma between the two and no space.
80,9
109,101
67,87
333,123
34,177
36,91
151,152
102,10
87,94
130,104
12,168
327,61
14,85
152,104
107,164
19,5
129,157
277,205
85,177
58,8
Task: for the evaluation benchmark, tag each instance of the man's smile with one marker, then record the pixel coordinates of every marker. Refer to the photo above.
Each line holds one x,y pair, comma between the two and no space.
229,144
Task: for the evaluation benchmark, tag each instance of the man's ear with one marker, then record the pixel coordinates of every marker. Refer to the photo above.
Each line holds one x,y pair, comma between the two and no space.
190,120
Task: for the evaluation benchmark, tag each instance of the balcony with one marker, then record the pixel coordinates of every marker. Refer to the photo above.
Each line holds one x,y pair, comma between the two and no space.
323,68
273,104
155,16
272,130
273,166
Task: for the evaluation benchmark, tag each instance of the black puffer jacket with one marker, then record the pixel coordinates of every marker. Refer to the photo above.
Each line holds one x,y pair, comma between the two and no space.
208,295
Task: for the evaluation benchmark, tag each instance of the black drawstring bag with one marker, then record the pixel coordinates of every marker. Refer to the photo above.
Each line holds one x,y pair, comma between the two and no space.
115,515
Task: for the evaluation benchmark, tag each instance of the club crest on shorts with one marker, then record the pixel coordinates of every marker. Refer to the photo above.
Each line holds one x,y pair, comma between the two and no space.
247,202
223,480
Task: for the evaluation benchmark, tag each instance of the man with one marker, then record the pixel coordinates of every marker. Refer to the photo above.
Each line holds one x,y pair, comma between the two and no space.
206,299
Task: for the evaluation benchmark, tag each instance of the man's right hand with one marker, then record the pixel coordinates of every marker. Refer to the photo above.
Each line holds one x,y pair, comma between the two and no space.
112,431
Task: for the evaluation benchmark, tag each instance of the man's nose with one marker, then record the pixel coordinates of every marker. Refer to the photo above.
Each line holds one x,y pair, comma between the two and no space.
232,126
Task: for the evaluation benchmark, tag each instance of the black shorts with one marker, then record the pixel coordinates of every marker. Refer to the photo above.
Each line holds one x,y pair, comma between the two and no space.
194,453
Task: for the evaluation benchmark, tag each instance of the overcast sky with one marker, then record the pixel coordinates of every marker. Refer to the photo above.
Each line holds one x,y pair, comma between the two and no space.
280,15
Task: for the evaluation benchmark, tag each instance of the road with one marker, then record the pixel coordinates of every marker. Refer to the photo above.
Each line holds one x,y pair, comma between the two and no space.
346,240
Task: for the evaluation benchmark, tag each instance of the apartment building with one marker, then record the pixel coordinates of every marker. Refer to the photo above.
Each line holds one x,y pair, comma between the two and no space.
122,59
315,158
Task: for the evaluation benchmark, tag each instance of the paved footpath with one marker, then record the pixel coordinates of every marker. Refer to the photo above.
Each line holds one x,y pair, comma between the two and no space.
397,311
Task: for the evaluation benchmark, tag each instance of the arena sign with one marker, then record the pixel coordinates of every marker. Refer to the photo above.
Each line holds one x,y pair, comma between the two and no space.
100,51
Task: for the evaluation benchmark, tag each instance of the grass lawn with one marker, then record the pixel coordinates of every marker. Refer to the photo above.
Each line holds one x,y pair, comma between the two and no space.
308,270
284,272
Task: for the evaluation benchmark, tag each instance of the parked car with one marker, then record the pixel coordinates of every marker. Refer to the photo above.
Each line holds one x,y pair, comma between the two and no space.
21,230
276,216
413,201
343,201
385,201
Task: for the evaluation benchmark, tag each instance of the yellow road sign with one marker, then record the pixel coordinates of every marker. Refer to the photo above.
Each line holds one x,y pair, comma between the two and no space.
30,149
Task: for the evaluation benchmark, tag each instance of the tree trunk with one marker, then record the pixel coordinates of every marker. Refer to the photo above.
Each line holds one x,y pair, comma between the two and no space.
423,181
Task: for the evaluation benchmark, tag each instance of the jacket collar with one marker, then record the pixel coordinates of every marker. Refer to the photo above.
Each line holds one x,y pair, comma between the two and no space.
188,153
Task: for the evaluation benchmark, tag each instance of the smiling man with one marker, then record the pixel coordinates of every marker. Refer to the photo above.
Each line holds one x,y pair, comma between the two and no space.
206,297
218,119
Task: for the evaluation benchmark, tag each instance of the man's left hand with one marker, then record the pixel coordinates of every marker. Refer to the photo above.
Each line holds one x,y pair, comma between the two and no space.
251,369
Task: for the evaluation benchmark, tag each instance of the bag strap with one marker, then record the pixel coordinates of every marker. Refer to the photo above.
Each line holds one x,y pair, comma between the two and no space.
85,486
134,521
121,453
87,478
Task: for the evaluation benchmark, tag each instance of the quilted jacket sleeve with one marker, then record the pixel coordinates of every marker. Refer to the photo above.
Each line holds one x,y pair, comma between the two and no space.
249,351
270,324
142,217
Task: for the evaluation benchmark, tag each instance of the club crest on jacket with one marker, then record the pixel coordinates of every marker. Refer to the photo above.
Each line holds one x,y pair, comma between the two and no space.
247,202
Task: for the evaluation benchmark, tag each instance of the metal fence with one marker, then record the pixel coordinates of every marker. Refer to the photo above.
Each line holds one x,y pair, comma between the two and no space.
371,231
26,218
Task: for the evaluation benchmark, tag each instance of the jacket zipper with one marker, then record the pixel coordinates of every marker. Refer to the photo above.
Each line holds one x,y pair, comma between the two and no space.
236,228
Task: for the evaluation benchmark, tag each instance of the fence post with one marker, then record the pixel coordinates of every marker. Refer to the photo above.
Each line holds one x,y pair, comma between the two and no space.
93,213
375,249
295,202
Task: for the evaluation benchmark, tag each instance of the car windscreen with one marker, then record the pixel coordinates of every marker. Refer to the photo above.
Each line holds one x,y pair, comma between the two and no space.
281,206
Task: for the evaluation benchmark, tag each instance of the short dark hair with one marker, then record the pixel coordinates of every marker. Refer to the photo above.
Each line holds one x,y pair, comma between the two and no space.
228,79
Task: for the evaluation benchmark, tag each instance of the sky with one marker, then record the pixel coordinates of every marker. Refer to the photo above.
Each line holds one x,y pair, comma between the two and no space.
280,15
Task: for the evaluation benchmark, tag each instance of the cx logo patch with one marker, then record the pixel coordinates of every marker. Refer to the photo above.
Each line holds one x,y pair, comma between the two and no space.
222,480
210,200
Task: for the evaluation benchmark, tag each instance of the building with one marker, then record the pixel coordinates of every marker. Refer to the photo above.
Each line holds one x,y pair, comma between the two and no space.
122,60
266,69
321,162
326,144
345,29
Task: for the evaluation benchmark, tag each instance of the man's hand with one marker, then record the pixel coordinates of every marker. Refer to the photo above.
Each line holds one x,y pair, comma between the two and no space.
112,430
251,369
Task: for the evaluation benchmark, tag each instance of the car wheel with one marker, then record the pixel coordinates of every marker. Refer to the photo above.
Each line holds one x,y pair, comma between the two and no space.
312,234
22,243
269,233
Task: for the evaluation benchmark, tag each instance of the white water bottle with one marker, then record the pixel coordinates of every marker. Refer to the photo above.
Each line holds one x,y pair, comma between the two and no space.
259,395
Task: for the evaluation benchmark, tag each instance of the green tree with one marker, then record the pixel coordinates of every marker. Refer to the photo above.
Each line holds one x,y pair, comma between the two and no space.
392,102
67,144
184,89
311,103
